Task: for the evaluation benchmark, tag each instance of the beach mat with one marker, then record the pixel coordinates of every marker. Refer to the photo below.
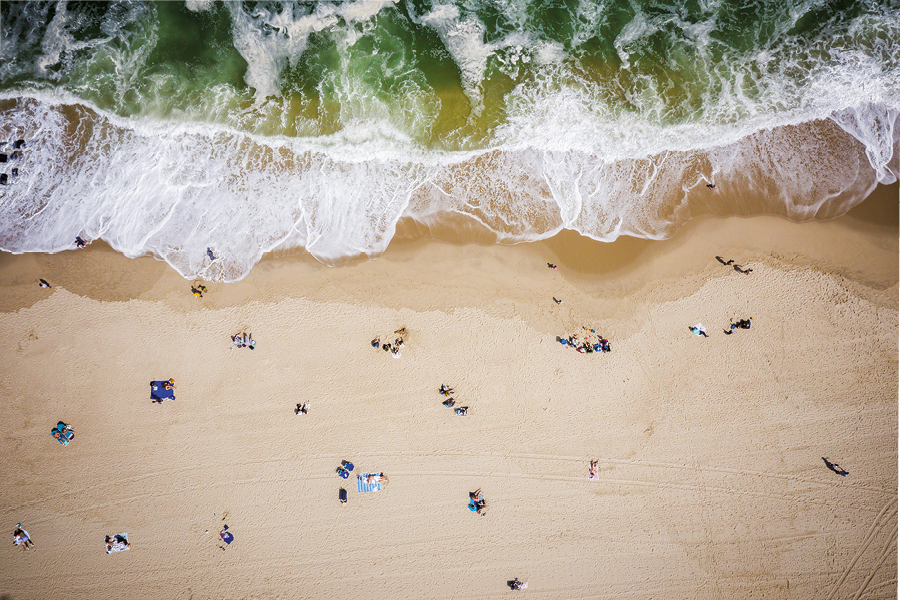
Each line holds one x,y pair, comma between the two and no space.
158,393
362,486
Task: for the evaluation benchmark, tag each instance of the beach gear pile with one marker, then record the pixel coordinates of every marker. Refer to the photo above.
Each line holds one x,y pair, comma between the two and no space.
586,342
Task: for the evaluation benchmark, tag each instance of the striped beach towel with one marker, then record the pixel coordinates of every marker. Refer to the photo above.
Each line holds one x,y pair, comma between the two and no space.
362,486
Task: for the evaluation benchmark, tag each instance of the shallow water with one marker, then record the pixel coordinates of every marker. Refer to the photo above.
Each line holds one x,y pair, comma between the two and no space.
166,128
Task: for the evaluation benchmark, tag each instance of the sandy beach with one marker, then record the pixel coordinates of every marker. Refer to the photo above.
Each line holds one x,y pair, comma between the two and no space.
711,481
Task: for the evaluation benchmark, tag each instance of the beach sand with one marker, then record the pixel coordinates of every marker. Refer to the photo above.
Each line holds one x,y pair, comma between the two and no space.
712,483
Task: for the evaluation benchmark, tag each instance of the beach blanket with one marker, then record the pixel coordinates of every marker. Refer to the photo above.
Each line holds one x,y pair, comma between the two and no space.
118,545
65,433
158,393
362,486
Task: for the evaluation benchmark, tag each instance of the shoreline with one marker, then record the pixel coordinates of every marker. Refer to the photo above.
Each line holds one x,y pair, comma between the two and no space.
614,269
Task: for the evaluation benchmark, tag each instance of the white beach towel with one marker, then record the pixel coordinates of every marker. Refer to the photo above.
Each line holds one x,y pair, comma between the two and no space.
118,546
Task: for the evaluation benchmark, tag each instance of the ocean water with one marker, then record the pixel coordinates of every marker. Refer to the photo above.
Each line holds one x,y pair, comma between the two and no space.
165,128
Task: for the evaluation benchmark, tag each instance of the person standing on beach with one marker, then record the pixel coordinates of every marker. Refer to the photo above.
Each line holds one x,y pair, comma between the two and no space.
21,538
835,467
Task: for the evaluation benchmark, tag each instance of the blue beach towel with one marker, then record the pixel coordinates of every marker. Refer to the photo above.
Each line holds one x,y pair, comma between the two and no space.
362,486
158,393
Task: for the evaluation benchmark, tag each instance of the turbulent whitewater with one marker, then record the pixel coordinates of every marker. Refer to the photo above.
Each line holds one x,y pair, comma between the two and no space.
166,128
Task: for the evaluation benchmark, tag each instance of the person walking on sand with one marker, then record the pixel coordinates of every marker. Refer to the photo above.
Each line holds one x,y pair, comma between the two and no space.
741,270
551,265
724,262
711,186
558,302
43,283
835,467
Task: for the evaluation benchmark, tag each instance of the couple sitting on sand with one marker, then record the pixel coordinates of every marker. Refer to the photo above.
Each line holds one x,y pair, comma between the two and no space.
62,433
398,343
742,324
477,502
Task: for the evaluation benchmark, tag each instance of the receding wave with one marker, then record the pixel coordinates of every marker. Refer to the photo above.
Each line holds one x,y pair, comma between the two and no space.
168,128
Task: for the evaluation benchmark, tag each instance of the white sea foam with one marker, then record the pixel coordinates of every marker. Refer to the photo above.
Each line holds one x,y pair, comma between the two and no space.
147,187
564,156
270,40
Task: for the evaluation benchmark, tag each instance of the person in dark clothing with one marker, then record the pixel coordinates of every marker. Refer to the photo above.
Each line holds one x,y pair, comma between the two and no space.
835,467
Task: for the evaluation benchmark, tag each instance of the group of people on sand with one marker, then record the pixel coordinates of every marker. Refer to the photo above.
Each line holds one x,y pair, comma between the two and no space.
477,502
585,343
450,402
243,340
394,348
741,324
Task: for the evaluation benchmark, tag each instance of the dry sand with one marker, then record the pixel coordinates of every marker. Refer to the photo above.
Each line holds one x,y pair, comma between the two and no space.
711,484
